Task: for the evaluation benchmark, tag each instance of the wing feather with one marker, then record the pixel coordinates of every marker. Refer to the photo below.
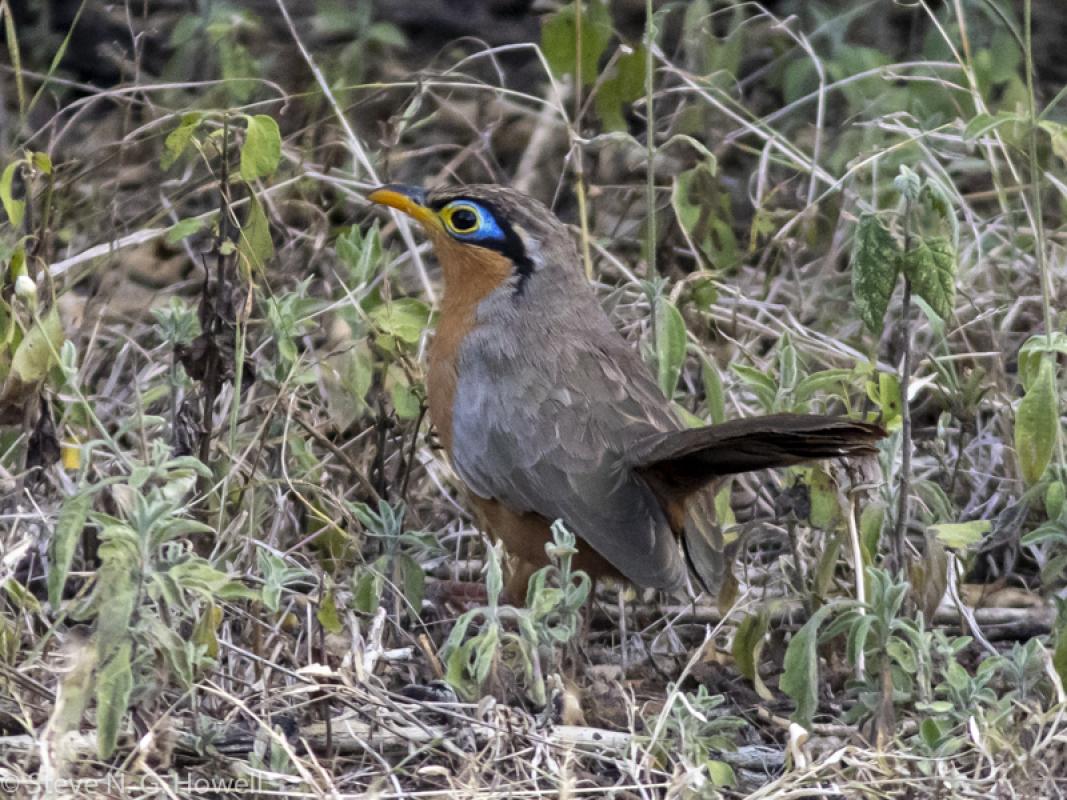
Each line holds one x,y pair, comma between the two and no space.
554,442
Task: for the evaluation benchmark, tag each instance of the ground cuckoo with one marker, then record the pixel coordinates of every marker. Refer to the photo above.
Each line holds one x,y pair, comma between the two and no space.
547,413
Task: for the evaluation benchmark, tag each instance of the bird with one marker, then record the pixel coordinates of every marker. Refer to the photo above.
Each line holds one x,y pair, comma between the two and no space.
547,413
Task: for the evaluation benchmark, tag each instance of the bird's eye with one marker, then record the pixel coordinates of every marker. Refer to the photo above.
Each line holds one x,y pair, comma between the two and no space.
463,220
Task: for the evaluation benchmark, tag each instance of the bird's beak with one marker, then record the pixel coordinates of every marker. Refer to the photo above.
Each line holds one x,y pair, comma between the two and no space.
409,199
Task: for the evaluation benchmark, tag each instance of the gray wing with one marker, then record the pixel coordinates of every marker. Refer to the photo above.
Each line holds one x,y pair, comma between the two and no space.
547,433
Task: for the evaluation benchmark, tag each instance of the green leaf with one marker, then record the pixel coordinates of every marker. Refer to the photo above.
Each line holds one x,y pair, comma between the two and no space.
69,527
262,149
236,590
1036,423
670,344
703,210
348,384
747,646
821,381
956,676
872,520
12,207
931,266
166,586
358,374
1055,495
459,632
494,576
114,684
413,581
367,593
899,650
385,33
485,654
456,671
178,526
139,476
327,614
934,197
908,183
624,85
197,575
405,401
256,247
239,67
714,395
875,266
703,293
184,228
828,561
687,417
405,318
1058,137
205,631
559,39
930,732
759,382
724,511
936,706
361,253
1059,653
961,536
116,595
886,395
721,773
982,124
825,505
178,139
1031,354
42,163
800,679
39,349
801,78
858,632
1054,569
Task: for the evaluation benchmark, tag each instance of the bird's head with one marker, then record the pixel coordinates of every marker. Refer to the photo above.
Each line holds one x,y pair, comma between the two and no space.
486,237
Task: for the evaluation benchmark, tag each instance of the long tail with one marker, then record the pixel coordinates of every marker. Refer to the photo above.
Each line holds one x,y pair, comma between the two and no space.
679,463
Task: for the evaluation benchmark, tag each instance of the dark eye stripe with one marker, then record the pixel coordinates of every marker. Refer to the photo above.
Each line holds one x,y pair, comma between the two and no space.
506,241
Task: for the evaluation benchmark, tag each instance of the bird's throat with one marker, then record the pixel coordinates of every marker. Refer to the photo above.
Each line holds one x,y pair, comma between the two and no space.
471,274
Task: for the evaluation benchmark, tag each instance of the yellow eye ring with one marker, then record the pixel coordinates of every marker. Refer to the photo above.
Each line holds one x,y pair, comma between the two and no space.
461,218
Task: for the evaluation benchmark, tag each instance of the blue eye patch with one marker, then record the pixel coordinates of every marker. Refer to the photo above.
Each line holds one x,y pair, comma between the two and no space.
483,223
469,221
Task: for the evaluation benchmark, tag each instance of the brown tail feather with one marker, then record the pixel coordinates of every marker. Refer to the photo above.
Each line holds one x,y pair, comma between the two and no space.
679,463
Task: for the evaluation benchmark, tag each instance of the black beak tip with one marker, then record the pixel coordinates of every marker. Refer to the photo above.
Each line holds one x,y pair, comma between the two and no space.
416,193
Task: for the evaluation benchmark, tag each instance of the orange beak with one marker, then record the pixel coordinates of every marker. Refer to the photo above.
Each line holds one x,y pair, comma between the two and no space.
409,199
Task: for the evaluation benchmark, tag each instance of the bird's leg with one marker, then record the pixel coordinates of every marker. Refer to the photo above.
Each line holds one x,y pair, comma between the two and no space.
624,651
